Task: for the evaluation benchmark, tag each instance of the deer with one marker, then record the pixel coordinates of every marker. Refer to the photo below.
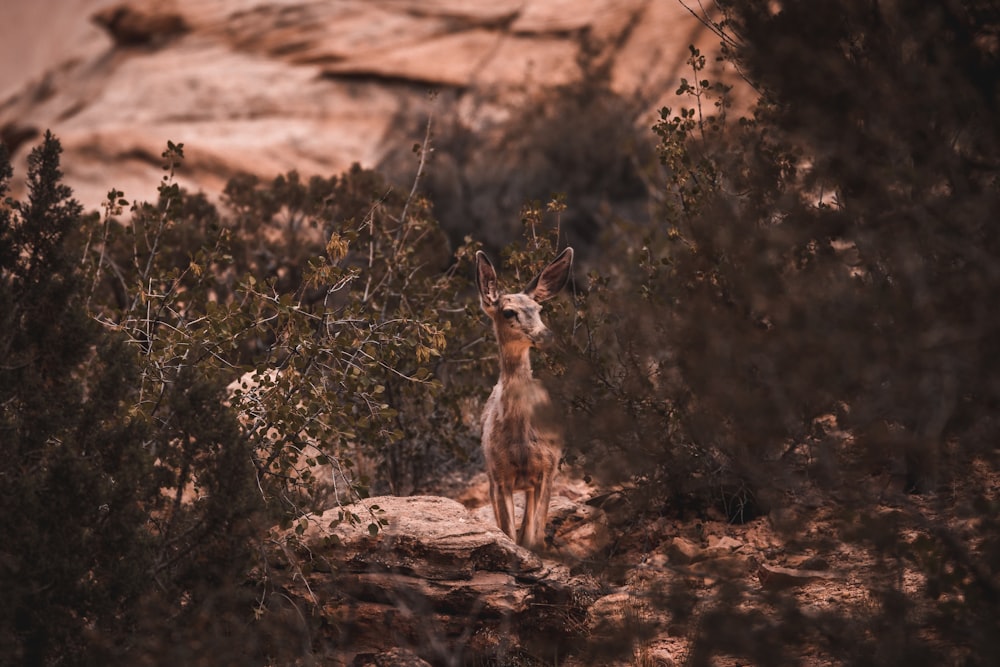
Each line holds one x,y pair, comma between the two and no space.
522,443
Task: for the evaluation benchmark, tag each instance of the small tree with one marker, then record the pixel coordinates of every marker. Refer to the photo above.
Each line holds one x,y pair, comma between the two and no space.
73,468
96,535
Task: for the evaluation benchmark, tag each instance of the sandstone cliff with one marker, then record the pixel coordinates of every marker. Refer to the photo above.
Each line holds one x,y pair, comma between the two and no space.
266,87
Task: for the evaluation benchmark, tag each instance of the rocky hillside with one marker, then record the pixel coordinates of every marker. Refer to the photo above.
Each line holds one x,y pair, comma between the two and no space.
267,87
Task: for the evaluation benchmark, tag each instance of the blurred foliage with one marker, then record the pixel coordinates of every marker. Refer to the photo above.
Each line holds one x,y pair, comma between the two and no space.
813,309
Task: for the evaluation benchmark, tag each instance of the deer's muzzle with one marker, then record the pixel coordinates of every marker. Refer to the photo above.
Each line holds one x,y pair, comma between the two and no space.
542,339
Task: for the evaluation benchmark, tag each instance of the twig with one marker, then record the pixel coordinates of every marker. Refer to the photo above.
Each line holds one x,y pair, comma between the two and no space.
424,150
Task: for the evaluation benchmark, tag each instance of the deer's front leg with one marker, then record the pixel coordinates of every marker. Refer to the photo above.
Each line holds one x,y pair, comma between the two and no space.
542,497
502,499
526,535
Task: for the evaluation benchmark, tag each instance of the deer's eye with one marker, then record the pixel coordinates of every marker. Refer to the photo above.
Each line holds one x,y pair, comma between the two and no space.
508,313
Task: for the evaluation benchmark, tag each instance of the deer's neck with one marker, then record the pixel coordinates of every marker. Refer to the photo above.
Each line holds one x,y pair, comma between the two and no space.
515,364
520,394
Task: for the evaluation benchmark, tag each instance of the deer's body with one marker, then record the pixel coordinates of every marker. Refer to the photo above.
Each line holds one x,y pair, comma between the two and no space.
521,442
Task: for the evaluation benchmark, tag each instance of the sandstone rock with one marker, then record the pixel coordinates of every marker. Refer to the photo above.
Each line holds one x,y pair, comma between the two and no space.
618,620
773,577
426,536
462,59
621,612
683,552
429,576
721,546
566,16
659,656
129,26
251,85
581,531
806,562
717,560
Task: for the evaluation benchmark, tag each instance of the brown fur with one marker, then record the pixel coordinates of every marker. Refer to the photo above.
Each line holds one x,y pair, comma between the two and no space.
521,443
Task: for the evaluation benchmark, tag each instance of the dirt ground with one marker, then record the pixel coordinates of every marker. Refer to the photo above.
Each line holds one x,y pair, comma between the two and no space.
674,571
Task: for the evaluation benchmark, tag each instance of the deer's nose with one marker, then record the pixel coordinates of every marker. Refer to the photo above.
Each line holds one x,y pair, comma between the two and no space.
542,339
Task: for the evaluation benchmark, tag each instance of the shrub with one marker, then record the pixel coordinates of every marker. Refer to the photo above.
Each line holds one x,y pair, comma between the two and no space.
142,489
94,527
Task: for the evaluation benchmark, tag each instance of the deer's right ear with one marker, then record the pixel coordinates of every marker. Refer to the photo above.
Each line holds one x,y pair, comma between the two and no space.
486,281
552,278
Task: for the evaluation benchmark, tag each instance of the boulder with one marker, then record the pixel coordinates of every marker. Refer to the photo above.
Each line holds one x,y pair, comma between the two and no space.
434,580
426,536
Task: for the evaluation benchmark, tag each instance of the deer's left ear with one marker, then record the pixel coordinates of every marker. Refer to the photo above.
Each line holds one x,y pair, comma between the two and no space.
553,277
486,281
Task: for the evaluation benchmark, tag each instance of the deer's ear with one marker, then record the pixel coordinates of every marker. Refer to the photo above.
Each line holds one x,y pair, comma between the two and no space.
486,281
552,278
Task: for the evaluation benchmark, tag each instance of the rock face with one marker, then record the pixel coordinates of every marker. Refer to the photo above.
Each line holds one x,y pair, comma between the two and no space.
435,581
265,87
